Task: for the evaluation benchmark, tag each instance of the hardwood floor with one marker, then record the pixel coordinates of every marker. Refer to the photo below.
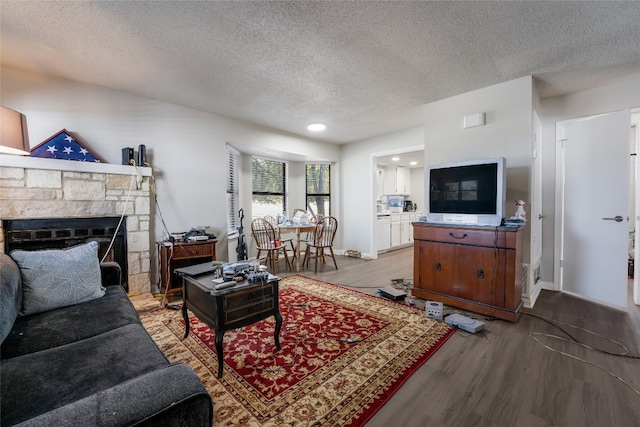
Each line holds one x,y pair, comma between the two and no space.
502,376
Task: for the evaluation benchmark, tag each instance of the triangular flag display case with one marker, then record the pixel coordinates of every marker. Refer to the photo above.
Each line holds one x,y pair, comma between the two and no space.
64,145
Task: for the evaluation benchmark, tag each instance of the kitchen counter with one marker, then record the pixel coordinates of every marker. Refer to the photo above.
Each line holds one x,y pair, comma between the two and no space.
387,213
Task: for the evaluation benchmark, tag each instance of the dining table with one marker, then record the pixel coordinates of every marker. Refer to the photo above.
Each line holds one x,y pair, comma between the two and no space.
298,229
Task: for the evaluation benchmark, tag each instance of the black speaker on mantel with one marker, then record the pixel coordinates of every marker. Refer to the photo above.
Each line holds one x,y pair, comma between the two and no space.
127,156
142,155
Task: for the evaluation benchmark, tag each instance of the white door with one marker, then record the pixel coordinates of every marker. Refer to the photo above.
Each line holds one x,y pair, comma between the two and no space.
594,201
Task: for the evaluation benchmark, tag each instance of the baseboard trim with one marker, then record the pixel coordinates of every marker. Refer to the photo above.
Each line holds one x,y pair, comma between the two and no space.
549,286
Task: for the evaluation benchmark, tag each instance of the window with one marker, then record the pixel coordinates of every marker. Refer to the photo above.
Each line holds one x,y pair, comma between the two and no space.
269,179
233,190
318,186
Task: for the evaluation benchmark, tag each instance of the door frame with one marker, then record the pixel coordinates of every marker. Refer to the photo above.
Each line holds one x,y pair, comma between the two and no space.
559,203
533,281
373,163
635,122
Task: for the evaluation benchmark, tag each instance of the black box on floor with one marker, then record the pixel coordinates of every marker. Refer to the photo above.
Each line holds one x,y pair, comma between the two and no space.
392,293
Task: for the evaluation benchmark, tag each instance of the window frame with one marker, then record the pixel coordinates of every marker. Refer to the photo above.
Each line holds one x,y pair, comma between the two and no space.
285,185
326,194
233,190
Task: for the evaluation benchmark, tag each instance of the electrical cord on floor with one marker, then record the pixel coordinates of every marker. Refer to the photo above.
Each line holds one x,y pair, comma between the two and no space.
557,324
573,340
533,336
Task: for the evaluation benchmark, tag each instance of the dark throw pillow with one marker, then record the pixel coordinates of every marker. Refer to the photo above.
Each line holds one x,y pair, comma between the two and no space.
10,294
58,277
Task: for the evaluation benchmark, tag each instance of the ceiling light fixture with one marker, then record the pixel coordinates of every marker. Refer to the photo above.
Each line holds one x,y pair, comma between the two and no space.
316,127
413,163
395,159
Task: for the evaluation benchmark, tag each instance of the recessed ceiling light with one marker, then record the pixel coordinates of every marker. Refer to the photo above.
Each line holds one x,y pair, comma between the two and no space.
413,163
316,127
395,159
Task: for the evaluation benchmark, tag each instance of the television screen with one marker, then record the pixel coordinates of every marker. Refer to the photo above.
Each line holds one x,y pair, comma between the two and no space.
468,189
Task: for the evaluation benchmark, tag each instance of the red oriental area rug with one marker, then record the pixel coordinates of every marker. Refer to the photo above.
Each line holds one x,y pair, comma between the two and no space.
344,353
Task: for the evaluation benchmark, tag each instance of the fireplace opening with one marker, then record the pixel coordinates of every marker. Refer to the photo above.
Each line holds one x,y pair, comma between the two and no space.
60,233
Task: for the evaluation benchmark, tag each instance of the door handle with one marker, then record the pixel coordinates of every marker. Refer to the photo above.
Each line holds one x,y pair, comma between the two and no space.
540,216
616,219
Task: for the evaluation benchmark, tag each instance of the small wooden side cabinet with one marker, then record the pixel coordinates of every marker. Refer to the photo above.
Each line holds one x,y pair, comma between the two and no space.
474,268
181,254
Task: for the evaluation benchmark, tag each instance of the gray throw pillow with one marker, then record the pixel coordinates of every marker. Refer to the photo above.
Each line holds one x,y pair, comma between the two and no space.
58,277
10,294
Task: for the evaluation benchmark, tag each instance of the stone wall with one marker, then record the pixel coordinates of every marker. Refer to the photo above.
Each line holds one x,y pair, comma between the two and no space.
30,192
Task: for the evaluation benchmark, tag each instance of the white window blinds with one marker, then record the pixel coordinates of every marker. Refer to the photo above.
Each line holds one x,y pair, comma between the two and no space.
269,185
233,190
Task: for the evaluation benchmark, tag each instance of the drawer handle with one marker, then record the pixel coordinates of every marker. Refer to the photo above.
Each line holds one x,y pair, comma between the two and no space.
480,273
438,266
458,237
250,310
250,295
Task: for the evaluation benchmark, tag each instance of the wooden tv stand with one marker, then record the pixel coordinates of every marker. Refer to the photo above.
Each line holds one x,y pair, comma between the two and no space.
470,267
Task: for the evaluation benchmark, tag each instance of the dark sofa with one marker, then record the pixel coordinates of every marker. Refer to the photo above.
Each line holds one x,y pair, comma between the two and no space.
89,364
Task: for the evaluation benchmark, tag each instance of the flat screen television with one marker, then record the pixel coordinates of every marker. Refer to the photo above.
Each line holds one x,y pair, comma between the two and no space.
467,192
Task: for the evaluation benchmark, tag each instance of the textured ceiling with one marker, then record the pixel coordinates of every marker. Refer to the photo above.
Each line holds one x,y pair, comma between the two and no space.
363,68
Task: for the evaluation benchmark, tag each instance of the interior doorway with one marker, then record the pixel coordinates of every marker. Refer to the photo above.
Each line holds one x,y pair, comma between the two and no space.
377,186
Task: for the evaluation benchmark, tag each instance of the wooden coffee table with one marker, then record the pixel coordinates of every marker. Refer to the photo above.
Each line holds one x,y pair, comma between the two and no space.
234,307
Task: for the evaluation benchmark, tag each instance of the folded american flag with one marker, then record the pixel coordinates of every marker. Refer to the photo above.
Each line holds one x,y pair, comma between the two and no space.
64,146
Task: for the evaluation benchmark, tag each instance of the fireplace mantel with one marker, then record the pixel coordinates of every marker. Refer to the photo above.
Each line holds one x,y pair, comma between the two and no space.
35,188
7,160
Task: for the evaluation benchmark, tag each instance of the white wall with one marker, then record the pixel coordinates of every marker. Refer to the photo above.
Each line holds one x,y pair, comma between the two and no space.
598,100
508,133
358,189
417,187
185,147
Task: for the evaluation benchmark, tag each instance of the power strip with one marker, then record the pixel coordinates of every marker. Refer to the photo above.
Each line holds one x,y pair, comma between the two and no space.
465,323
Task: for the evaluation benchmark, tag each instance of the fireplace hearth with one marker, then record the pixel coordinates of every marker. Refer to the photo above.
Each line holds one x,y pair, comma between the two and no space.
60,233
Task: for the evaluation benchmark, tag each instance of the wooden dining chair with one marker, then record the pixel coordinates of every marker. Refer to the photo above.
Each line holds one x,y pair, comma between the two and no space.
323,237
268,241
285,240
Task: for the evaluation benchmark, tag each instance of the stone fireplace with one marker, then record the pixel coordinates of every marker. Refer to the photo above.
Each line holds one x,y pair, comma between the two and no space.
58,233
62,200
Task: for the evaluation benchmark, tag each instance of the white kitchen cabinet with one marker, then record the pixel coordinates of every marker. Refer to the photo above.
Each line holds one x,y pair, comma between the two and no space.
403,180
383,233
389,181
401,228
413,217
404,232
397,180
405,229
396,229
